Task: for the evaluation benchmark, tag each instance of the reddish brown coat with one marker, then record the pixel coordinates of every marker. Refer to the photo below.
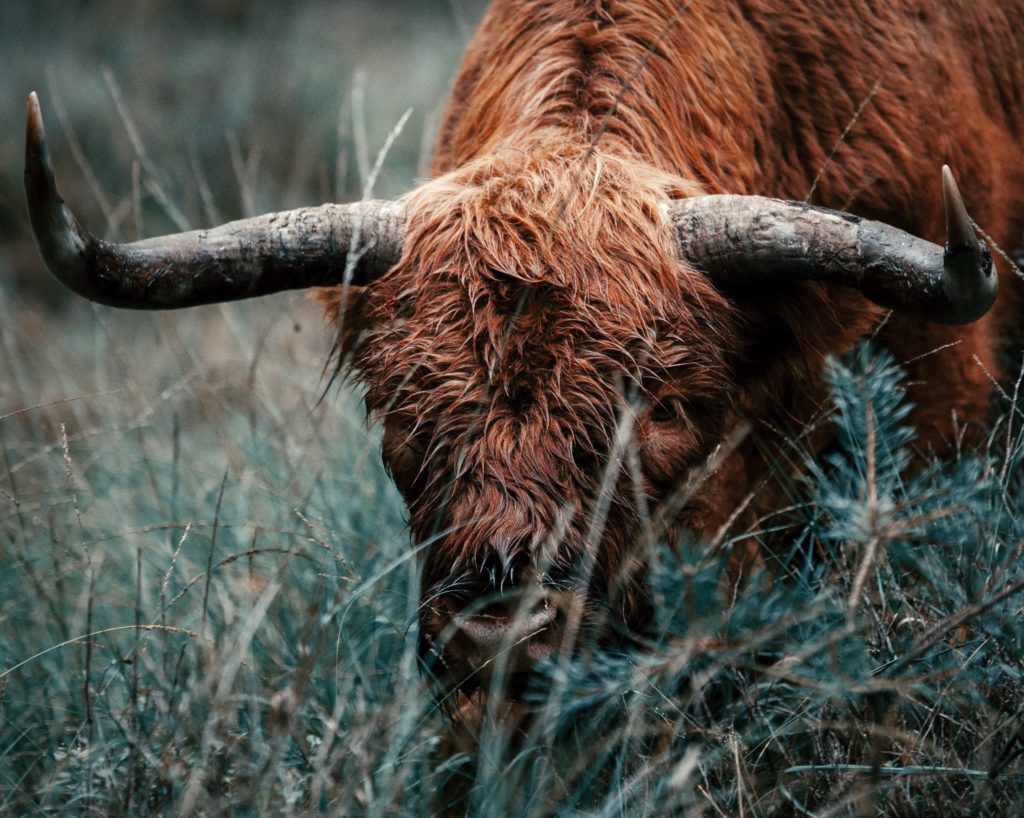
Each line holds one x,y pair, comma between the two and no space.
539,292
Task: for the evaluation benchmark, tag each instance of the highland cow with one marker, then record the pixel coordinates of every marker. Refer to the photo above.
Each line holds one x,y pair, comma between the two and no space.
583,332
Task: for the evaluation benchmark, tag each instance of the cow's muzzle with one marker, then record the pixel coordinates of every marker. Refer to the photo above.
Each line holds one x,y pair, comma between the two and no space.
493,645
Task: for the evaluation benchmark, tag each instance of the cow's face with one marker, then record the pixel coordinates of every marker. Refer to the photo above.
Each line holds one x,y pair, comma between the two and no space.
546,374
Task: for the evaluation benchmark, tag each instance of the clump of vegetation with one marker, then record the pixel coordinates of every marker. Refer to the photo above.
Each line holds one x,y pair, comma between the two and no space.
177,640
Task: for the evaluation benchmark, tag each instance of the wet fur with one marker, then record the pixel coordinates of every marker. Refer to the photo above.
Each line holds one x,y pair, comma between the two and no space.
539,303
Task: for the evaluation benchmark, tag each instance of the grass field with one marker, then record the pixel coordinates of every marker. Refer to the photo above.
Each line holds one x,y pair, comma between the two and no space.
207,594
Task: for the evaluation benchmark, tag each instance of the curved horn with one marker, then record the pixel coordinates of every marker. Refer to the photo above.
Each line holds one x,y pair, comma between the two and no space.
751,239
309,247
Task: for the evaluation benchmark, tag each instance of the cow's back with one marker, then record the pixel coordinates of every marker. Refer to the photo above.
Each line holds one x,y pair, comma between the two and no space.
759,96
852,104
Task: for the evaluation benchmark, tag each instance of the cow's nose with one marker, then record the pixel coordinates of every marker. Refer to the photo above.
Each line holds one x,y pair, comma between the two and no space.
495,630
504,640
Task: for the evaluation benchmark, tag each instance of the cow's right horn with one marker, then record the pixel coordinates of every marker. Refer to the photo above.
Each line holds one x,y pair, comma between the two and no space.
296,249
744,240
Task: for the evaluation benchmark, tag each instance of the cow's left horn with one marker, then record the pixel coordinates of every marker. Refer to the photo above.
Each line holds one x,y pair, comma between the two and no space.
309,247
739,240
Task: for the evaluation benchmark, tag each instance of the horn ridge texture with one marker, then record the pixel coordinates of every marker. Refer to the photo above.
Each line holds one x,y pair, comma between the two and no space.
308,247
752,240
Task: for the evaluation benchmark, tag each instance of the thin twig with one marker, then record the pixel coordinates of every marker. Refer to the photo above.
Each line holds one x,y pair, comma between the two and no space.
950,623
842,137
213,546
92,634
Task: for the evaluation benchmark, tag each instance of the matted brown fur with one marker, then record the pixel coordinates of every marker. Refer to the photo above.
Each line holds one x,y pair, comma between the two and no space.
539,311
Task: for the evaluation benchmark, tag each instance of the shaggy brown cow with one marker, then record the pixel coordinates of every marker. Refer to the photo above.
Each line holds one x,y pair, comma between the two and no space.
563,329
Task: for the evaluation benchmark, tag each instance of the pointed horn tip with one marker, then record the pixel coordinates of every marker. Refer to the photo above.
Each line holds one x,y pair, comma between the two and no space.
34,120
969,273
960,233
38,173
950,189
37,160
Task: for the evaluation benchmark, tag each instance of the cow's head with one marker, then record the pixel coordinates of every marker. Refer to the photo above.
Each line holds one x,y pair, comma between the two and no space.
543,337
537,325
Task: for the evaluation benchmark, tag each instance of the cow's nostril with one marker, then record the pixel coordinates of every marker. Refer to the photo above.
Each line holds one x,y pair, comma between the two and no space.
491,631
505,640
